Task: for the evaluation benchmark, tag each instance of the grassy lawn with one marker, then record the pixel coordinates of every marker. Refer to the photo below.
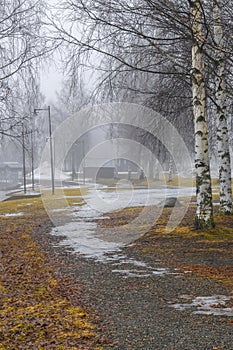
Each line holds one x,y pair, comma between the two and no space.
163,180
207,253
38,310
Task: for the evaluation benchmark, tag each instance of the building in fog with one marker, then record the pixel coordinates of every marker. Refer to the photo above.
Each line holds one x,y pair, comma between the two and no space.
10,175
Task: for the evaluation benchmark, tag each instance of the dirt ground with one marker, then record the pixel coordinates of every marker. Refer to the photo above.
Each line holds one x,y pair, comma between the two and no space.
53,300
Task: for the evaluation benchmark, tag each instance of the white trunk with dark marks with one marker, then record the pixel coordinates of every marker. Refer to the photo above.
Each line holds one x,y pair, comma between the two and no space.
220,99
204,211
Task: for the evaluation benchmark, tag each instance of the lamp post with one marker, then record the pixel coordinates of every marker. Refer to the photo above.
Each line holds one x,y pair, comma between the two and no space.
24,160
32,159
73,161
84,163
32,151
50,142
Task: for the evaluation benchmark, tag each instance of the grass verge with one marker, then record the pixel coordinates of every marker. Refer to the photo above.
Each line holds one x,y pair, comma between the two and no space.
38,310
207,253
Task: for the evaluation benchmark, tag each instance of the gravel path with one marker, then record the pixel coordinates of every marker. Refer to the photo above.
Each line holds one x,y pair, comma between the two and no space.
135,306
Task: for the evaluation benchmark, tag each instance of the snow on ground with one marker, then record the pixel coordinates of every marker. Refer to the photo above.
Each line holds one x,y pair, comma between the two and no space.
80,233
83,240
28,193
207,305
44,173
100,202
12,214
80,236
4,195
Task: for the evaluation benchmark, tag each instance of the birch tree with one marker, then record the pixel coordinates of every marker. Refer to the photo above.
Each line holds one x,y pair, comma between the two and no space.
221,119
204,211
163,38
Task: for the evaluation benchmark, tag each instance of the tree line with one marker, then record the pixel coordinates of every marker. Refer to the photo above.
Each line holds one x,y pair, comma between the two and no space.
22,48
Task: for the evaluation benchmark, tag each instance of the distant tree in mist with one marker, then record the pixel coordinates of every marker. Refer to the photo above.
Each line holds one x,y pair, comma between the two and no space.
23,44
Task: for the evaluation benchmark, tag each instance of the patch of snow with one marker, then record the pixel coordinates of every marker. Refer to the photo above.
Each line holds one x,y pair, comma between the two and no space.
62,197
209,305
113,200
142,273
87,212
132,273
161,271
44,173
28,194
4,195
12,214
81,237
57,210
135,263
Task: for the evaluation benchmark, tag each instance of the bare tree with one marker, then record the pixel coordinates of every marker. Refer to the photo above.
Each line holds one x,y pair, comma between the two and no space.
204,212
163,38
21,35
22,45
221,109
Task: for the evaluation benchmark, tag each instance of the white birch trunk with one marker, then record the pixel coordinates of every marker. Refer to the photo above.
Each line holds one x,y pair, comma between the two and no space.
204,211
222,129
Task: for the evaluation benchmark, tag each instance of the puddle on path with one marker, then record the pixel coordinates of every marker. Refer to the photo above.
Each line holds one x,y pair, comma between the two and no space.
215,305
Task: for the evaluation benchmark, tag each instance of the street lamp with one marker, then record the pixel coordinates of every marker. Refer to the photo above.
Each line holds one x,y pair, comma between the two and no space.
50,142
32,150
73,161
24,160
84,163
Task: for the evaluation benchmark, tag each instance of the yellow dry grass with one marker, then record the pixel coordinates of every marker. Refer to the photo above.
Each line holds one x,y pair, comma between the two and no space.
33,310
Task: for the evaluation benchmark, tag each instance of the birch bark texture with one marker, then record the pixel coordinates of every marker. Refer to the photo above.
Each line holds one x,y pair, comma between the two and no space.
204,210
224,160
